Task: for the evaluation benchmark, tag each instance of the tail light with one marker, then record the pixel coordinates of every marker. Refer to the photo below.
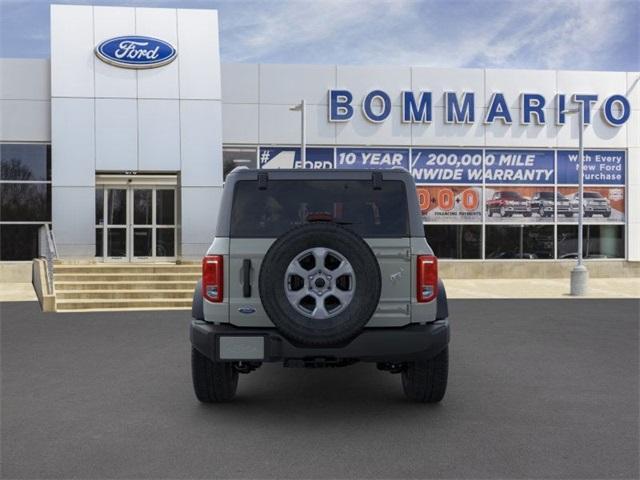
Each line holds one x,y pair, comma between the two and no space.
212,278
427,278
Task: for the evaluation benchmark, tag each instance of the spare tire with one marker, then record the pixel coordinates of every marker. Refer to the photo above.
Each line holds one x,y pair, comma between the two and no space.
319,284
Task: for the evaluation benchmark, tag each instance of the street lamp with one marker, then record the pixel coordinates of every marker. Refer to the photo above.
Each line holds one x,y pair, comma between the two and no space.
303,134
579,274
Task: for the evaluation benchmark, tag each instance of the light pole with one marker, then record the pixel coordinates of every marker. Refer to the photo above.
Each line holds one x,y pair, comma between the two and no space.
303,131
580,274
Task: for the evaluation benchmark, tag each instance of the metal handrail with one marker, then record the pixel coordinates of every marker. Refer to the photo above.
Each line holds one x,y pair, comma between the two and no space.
50,253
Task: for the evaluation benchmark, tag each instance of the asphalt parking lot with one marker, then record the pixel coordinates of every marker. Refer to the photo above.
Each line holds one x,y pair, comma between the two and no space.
538,389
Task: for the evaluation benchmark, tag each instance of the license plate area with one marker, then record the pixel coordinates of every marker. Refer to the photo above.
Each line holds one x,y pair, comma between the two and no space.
241,347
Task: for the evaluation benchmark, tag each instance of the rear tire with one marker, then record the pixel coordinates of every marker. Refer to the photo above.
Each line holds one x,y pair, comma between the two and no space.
213,382
425,381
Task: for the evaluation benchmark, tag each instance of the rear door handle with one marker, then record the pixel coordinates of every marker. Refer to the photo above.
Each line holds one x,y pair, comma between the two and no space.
246,278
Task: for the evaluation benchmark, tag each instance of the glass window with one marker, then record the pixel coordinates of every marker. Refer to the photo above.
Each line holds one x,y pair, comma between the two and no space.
165,242
165,207
117,242
598,241
529,242
142,206
238,157
117,207
142,242
455,241
99,242
25,162
99,206
25,202
18,242
285,204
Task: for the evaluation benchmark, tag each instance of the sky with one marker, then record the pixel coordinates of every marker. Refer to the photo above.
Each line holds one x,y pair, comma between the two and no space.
534,34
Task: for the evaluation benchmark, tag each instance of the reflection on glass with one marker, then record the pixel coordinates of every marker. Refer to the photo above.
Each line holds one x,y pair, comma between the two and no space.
165,207
117,207
528,242
18,242
455,241
142,206
116,242
25,202
142,242
99,206
99,242
598,241
25,162
165,242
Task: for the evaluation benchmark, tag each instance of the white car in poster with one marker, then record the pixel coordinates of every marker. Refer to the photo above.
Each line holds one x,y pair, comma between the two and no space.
594,204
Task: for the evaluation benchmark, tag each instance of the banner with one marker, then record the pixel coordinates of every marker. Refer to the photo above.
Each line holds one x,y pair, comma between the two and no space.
521,204
601,205
289,157
600,167
436,165
377,158
450,204
518,166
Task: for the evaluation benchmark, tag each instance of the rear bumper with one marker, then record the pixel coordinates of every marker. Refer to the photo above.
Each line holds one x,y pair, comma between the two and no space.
371,345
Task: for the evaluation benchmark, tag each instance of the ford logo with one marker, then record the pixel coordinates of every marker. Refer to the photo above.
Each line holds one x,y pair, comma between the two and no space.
247,310
134,51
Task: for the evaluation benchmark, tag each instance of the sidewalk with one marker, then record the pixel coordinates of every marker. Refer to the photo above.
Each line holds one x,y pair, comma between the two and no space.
17,292
540,288
457,288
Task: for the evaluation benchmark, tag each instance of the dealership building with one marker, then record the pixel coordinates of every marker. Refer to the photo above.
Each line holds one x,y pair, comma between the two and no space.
126,163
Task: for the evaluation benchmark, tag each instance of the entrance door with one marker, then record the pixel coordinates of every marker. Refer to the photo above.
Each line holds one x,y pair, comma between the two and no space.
136,223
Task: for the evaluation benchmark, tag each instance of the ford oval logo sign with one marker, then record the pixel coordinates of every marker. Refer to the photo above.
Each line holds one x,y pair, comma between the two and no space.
134,51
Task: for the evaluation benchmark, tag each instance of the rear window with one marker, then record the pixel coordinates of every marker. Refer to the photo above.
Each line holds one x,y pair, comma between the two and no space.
285,204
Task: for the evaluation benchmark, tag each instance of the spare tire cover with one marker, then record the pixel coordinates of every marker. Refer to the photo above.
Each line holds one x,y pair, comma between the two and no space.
319,284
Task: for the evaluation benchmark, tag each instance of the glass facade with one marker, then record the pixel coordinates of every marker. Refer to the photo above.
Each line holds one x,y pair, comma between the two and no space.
497,204
25,198
476,204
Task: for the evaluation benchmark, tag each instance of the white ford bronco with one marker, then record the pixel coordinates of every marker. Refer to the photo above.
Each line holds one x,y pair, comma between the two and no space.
319,268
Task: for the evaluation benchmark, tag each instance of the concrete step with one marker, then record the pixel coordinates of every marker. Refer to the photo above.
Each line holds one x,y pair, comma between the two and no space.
121,277
125,268
126,303
99,287
124,294
62,286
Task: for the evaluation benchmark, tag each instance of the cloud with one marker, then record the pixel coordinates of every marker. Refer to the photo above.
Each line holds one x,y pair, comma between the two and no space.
545,34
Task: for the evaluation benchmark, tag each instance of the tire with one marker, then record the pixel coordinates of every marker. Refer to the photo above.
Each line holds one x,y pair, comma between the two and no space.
606,214
568,215
213,382
527,214
351,316
426,381
490,212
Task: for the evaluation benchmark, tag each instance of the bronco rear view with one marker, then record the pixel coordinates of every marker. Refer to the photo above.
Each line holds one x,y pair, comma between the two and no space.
319,268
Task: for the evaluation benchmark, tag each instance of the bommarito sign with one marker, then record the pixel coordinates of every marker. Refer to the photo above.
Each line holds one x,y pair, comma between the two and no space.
460,108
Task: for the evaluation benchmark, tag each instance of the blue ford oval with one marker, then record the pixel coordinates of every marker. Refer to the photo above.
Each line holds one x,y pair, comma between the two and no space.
134,51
